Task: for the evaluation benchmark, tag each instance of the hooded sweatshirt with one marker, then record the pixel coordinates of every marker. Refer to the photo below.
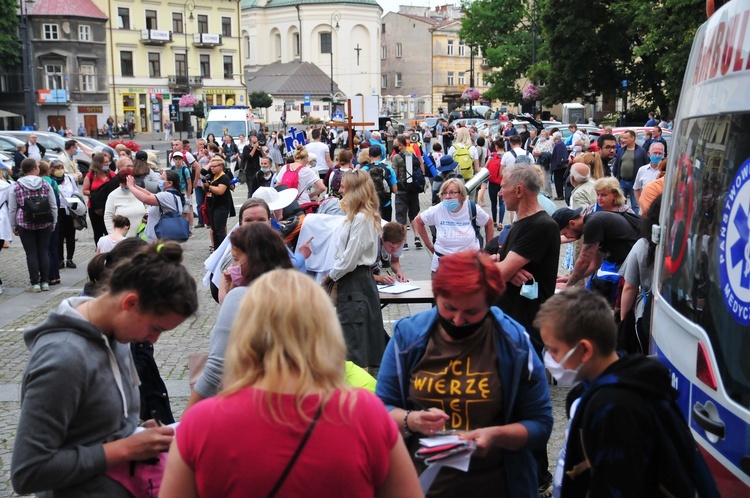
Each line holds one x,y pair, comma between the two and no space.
628,438
32,183
79,391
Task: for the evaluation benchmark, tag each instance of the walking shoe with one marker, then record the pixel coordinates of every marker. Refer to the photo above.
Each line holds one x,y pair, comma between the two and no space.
34,288
200,225
54,281
69,263
62,264
406,247
45,287
546,487
417,243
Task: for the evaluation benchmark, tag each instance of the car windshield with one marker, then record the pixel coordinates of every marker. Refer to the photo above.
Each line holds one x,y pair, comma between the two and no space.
706,258
221,128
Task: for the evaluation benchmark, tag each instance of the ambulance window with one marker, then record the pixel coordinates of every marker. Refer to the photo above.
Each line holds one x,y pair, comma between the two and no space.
706,265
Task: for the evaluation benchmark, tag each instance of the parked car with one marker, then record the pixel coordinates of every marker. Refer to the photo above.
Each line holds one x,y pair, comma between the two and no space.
92,143
464,122
640,134
54,144
464,113
8,144
7,161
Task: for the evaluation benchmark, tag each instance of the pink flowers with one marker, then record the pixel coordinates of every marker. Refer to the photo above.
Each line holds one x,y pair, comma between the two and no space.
188,100
531,92
470,94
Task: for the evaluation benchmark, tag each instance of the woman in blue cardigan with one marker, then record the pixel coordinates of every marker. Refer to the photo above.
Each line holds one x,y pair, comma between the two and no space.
466,366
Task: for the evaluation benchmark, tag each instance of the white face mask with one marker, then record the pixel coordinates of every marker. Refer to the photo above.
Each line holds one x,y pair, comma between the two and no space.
562,375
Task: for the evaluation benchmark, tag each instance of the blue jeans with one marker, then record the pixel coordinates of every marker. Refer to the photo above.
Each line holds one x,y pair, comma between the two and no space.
627,189
200,198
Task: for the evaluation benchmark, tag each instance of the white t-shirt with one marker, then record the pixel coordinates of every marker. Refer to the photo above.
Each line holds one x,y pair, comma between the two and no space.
307,178
455,231
320,150
509,158
106,244
168,200
34,152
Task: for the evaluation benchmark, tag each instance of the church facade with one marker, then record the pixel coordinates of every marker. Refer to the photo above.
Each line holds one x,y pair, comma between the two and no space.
340,37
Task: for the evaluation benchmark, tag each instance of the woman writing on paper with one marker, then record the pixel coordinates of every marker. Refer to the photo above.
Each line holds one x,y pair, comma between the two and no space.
286,424
466,366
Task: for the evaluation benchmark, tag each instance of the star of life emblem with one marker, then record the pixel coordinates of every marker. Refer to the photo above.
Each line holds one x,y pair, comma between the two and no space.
734,246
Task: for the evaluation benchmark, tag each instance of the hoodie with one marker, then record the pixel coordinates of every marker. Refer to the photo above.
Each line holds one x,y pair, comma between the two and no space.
79,391
628,438
31,183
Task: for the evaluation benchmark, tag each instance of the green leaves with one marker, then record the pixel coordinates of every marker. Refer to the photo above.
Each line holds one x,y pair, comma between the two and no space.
260,100
10,45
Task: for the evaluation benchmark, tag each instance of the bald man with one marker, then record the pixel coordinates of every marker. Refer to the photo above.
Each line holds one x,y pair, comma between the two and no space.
583,194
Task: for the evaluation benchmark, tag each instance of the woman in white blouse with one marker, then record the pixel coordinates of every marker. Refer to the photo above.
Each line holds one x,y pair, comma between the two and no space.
358,303
122,202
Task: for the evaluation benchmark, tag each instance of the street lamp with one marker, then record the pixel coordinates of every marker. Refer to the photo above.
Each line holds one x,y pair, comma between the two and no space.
336,16
189,6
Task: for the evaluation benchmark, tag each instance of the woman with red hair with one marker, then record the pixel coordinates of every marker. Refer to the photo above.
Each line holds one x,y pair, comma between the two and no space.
466,366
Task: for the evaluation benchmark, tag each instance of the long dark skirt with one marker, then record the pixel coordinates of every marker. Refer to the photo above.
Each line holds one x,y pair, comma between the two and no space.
358,308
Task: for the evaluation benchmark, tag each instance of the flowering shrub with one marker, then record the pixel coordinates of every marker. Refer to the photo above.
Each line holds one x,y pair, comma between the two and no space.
129,144
470,94
531,92
188,100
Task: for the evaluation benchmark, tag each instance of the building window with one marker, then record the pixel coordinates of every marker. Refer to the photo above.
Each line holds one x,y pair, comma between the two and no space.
54,74
461,78
383,52
51,32
399,50
123,18
383,81
180,64
177,25
88,78
202,23
84,32
295,43
479,79
126,63
226,26
382,26
325,43
228,67
451,78
461,49
397,82
151,20
450,47
154,65
205,66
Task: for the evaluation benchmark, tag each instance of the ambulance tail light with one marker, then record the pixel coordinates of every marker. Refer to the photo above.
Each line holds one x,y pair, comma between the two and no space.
703,369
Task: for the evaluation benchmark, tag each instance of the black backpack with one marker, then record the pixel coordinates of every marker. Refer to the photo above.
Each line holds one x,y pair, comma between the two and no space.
417,183
36,207
382,188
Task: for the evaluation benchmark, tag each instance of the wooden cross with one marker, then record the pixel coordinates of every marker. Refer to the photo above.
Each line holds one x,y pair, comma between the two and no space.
358,50
348,124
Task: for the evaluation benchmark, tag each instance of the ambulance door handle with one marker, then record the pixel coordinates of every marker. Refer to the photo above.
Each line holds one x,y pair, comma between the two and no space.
708,423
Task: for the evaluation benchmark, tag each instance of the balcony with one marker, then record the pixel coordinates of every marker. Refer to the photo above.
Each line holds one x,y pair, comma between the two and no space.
485,62
155,37
206,40
176,82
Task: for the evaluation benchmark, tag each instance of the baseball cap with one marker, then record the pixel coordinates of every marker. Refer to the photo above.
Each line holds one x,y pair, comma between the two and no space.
141,155
563,216
177,154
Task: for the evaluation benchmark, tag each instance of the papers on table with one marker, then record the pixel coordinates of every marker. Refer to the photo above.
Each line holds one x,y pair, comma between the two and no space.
396,288
459,460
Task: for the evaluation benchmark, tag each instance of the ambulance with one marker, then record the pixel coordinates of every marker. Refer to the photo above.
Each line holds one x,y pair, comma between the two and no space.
701,288
234,120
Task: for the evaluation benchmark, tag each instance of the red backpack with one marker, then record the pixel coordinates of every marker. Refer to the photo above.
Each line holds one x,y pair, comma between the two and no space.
494,166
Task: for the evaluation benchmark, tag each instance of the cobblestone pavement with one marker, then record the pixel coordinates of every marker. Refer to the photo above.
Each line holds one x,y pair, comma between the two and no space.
19,310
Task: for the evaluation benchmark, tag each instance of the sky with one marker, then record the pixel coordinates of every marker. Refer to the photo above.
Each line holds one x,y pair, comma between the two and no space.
392,5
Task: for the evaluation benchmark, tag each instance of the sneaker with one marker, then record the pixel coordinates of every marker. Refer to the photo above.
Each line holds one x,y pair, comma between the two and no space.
69,263
34,288
546,488
200,225
406,247
417,243
45,287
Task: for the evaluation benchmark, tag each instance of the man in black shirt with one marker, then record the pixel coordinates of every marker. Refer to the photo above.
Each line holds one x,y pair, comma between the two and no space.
606,235
607,149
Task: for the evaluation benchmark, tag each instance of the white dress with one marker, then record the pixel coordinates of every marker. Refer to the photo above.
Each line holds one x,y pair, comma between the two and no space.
6,231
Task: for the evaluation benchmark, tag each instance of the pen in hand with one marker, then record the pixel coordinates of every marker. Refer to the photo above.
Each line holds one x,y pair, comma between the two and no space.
156,418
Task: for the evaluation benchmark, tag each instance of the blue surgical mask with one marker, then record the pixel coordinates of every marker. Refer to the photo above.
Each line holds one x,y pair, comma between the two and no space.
161,185
656,159
125,189
451,204
105,168
265,170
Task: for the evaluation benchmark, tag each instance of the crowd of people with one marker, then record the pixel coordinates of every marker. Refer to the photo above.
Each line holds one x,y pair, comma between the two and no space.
303,392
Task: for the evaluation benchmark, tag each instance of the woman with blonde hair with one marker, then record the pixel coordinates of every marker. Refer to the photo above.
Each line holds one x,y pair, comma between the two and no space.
457,228
358,302
609,197
285,414
594,162
301,177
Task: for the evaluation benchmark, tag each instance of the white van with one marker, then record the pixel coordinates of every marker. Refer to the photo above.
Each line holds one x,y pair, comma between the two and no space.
701,287
233,120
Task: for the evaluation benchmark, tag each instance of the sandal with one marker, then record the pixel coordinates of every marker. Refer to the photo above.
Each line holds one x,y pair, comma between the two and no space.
54,281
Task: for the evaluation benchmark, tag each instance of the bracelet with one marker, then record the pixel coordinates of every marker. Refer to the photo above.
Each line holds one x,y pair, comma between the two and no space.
407,431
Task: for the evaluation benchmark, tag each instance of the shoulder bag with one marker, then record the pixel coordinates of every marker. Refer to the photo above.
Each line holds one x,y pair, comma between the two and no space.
172,225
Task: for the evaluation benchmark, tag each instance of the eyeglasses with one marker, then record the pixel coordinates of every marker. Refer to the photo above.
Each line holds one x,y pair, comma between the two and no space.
451,193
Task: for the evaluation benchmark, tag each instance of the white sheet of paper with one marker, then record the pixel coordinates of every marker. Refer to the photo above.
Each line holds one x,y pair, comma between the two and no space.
396,288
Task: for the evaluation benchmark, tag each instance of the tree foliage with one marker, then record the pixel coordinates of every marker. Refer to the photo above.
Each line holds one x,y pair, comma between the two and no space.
260,100
502,30
10,45
586,48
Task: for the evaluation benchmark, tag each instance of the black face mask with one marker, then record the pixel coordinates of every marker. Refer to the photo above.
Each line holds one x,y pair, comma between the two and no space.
458,332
